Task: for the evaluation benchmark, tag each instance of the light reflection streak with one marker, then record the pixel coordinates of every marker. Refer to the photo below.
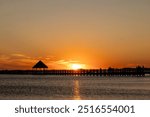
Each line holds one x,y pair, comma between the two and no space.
76,90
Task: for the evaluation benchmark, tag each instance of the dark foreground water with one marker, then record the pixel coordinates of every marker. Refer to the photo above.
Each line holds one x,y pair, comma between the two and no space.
73,87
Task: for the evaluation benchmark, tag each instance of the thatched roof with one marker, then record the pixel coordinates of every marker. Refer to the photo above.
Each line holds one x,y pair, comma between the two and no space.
40,64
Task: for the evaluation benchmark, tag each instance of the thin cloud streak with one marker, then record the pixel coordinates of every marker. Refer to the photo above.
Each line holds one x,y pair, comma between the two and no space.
22,61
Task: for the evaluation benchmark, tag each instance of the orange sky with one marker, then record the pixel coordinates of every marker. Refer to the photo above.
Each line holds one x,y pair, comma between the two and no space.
94,33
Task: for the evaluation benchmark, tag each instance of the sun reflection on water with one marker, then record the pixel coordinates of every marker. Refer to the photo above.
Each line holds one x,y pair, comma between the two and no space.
76,90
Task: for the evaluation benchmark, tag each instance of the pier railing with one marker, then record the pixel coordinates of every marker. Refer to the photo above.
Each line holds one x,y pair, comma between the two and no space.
137,71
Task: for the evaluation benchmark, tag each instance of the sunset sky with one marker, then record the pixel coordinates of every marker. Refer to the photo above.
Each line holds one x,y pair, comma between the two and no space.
92,33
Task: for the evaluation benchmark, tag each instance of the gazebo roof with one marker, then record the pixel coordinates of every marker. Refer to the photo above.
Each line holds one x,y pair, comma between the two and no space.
40,64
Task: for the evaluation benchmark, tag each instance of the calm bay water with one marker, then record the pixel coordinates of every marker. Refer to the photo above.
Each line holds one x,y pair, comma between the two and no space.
73,87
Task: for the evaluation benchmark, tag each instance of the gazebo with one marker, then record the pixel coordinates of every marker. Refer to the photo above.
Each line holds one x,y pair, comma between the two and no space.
39,67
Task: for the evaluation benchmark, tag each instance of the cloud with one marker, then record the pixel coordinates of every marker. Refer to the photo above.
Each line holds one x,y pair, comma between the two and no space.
19,56
22,61
15,61
68,63
3,57
65,62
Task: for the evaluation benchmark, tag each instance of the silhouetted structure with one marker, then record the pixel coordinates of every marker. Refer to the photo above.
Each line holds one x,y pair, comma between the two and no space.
40,65
39,68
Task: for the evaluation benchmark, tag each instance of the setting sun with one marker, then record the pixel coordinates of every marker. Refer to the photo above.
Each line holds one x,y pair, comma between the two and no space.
76,66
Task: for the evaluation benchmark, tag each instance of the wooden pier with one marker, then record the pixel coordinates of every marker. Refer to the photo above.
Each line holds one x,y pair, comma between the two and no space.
137,71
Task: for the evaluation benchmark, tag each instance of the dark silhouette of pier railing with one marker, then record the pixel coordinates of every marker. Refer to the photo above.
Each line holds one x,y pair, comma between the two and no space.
137,71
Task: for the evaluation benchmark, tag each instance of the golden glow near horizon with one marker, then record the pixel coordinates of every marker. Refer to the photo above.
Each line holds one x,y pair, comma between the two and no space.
76,66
